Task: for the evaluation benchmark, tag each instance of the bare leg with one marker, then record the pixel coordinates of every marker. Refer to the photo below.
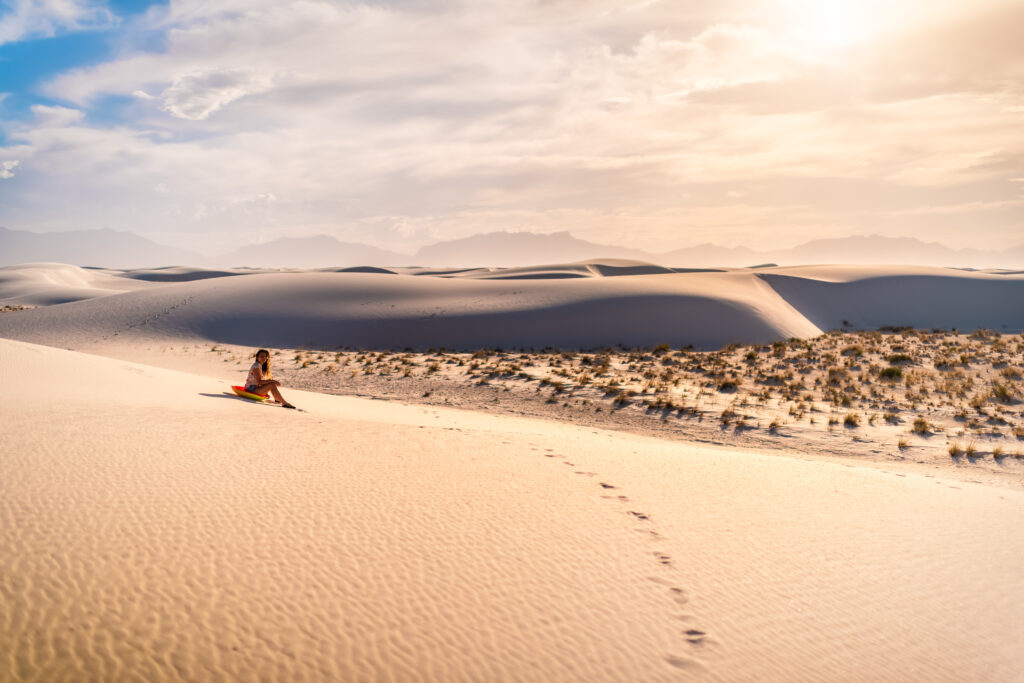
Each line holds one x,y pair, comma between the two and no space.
277,394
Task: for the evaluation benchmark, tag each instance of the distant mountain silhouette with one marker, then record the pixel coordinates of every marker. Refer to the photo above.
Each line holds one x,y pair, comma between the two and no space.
508,249
879,249
115,249
103,248
857,249
309,252
711,255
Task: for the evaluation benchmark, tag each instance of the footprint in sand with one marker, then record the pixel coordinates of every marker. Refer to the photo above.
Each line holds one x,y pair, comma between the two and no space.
684,663
694,636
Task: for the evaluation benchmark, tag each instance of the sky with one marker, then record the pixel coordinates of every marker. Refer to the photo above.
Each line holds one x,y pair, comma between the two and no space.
655,124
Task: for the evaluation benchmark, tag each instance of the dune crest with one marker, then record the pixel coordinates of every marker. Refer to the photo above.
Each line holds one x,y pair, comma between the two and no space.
565,305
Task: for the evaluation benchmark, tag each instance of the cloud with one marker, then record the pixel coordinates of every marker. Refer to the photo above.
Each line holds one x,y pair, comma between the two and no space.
56,116
195,96
403,119
29,19
7,168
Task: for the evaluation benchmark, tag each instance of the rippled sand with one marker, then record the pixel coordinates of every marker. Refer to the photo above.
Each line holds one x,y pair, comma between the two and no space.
153,527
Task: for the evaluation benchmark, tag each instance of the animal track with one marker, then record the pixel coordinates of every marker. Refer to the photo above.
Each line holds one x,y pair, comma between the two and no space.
639,515
608,486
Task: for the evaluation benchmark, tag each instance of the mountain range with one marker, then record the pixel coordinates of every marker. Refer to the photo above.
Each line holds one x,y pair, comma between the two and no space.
114,249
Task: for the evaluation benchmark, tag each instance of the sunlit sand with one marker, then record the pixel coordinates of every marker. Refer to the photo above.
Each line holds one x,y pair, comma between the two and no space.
155,526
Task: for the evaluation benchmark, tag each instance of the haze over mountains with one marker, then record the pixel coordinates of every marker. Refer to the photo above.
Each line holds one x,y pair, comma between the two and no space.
115,249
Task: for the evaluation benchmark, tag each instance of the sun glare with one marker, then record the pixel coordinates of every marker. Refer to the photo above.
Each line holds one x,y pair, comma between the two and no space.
825,23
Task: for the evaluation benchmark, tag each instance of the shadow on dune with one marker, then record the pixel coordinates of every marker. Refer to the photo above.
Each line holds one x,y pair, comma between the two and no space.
176,274
630,321
922,301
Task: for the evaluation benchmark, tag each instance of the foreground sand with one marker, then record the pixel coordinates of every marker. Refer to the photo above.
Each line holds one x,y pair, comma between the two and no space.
154,528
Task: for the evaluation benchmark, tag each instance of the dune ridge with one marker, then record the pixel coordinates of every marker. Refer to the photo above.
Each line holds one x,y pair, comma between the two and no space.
536,308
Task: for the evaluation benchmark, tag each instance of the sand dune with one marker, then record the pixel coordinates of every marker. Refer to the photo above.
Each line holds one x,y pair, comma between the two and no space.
355,309
473,310
181,273
920,297
161,529
47,284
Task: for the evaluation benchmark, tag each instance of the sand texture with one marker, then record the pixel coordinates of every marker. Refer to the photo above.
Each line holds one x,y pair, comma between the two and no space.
588,305
153,527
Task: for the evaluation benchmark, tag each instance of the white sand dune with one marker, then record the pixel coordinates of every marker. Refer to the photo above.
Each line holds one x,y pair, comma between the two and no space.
182,273
355,309
47,284
474,310
154,528
867,297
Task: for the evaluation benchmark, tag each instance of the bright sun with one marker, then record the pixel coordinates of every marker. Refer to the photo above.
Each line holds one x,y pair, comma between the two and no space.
828,24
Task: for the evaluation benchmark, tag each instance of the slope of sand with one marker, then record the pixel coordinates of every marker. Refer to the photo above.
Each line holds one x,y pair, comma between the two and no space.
153,527
46,284
567,305
869,297
360,309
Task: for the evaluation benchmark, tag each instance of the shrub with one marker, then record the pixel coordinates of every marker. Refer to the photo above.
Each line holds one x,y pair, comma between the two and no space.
921,426
622,399
1002,393
897,358
955,449
998,453
971,451
902,443
890,373
851,420
727,387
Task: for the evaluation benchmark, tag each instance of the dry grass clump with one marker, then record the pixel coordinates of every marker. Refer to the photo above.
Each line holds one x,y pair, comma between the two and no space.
622,399
955,450
891,374
1003,393
926,379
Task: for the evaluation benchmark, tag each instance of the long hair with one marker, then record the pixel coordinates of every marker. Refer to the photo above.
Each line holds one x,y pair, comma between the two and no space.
266,363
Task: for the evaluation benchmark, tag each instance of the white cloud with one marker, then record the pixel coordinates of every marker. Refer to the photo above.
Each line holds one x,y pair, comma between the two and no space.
56,116
25,19
413,120
7,168
195,96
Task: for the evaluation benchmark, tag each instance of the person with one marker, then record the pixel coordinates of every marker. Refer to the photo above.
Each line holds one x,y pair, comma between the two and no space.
260,380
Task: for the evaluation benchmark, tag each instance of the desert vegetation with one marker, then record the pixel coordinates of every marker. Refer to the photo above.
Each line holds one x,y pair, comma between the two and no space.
902,389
